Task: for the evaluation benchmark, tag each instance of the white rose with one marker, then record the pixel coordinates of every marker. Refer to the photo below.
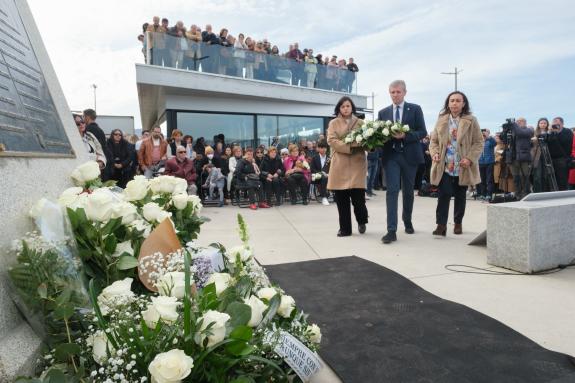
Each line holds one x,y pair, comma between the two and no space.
36,210
222,281
180,201
385,131
258,307
100,347
172,284
70,196
156,184
88,171
218,329
388,123
244,252
267,293
196,203
369,132
348,139
287,305
136,189
406,128
126,210
164,308
99,206
315,333
118,293
180,186
153,212
358,138
171,367
123,247
141,225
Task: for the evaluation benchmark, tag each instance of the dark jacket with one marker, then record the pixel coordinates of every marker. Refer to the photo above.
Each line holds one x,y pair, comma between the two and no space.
560,143
315,165
243,169
122,153
211,38
409,146
523,144
272,166
217,162
352,67
184,169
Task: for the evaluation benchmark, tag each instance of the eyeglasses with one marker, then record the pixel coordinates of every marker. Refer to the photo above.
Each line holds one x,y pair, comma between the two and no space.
181,151
78,123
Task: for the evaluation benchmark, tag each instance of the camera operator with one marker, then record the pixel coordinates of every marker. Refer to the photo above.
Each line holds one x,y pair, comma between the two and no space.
521,165
517,136
560,141
486,163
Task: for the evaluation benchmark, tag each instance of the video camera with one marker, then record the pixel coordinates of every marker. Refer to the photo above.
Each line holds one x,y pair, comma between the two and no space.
508,137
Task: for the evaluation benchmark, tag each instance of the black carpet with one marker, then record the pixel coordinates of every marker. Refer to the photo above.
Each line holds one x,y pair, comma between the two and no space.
379,327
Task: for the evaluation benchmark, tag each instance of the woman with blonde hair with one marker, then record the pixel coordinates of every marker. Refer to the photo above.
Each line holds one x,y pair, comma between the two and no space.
455,147
348,168
297,174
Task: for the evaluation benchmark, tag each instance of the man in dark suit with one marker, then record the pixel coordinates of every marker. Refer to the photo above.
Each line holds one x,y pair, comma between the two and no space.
401,157
320,167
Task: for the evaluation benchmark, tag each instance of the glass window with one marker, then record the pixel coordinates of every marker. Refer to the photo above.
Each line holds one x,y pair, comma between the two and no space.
297,129
267,130
236,128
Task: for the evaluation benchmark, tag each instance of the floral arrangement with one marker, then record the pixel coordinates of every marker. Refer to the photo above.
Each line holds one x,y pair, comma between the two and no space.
210,316
374,134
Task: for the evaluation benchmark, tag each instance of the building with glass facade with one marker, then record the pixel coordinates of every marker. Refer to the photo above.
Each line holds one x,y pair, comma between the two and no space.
245,110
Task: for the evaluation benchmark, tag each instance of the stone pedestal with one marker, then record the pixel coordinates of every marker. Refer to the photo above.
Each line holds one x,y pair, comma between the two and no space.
534,234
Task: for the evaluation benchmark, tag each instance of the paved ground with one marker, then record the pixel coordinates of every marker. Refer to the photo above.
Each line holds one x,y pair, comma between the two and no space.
540,307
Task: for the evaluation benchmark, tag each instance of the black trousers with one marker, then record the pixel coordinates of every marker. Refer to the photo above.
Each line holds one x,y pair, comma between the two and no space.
449,187
321,186
273,187
561,173
485,188
296,181
342,198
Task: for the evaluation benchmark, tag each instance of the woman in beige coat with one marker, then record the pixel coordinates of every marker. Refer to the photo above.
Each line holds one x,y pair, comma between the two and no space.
456,144
348,168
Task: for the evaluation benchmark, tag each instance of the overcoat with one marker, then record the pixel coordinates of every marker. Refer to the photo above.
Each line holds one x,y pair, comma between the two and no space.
469,145
348,167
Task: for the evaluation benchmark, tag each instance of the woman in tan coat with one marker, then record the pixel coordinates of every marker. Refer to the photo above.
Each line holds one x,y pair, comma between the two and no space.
456,145
348,168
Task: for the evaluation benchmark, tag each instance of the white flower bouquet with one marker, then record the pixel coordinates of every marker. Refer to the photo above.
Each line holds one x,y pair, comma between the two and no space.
374,134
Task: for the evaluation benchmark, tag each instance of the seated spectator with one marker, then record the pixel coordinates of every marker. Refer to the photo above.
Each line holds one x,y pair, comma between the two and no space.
175,141
189,145
153,153
91,143
232,163
122,154
181,166
320,171
272,172
297,174
215,179
259,156
145,135
247,176
284,153
200,146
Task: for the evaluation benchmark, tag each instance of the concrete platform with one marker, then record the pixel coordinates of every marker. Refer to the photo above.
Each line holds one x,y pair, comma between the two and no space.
540,307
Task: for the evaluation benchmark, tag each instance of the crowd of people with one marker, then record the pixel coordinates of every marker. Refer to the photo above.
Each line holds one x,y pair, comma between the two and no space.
457,157
195,49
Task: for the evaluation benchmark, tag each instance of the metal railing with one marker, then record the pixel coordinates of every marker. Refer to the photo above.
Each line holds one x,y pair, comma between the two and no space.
182,53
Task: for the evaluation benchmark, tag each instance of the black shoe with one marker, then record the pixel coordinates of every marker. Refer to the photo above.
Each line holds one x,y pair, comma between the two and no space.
409,228
305,202
389,237
342,234
361,228
294,202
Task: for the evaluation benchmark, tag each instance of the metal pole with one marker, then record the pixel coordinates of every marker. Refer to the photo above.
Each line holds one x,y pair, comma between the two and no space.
94,86
373,106
456,79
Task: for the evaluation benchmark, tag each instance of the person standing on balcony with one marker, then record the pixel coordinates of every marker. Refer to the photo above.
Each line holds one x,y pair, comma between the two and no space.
176,44
240,55
310,68
342,76
351,76
156,41
194,53
211,42
296,65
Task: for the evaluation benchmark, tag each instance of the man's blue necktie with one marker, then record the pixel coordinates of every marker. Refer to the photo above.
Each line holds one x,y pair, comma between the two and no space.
397,118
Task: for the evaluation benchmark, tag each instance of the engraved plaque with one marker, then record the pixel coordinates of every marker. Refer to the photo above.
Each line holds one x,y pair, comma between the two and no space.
29,122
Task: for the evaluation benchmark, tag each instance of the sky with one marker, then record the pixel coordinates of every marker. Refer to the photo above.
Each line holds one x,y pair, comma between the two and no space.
517,56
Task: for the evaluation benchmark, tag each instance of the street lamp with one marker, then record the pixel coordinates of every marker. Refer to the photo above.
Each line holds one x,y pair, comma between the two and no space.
94,86
455,74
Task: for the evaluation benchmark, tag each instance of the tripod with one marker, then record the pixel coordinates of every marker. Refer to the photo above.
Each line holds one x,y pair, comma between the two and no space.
548,164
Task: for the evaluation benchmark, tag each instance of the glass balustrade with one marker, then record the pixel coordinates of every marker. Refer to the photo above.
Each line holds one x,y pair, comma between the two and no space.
182,53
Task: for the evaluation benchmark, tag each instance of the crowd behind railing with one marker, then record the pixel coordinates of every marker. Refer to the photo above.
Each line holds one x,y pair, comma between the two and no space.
513,164
193,49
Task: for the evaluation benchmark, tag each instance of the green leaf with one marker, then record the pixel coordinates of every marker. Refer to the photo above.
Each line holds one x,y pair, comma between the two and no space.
64,311
110,244
239,348
55,375
64,297
242,333
43,291
66,350
274,304
243,379
240,313
127,262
